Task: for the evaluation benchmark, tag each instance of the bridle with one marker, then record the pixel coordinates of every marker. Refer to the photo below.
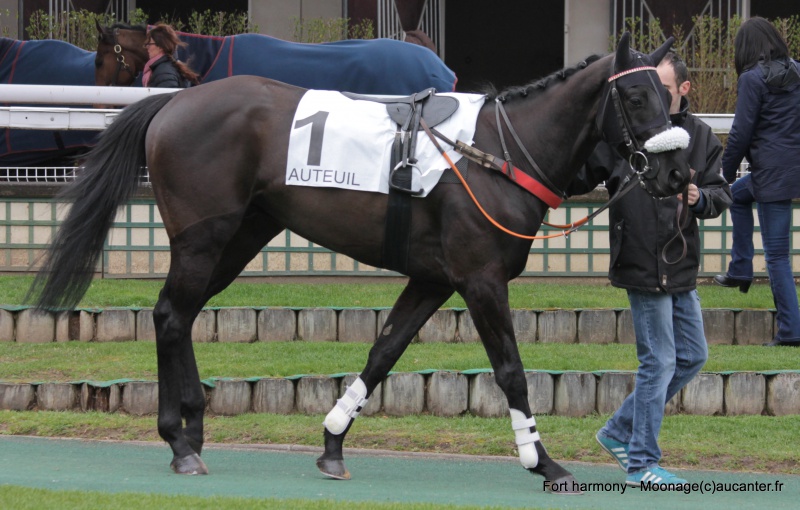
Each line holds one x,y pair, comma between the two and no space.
120,58
635,153
635,150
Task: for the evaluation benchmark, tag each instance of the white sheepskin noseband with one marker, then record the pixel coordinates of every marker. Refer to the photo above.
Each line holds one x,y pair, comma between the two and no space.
671,139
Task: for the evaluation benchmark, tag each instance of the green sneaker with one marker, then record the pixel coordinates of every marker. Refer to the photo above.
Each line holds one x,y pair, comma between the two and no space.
655,475
614,448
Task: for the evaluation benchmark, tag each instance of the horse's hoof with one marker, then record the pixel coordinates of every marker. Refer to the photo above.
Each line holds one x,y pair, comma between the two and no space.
189,465
333,469
566,485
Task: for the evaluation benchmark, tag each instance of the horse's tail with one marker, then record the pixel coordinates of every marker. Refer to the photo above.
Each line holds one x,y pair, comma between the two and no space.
108,179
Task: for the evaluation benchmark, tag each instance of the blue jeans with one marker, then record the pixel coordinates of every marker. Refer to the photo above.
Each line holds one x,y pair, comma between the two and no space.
671,348
776,220
741,211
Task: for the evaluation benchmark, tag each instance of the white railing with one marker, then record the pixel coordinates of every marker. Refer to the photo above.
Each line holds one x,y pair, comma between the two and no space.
76,94
62,94
720,122
63,118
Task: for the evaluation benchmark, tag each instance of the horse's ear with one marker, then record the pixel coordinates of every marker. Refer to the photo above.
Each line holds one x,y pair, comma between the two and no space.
623,60
100,31
658,54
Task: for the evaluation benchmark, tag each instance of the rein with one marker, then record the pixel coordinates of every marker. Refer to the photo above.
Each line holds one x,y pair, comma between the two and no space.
500,110
682,221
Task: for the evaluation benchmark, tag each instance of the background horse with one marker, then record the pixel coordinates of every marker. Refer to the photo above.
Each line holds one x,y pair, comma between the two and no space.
374,66
43,63
218,174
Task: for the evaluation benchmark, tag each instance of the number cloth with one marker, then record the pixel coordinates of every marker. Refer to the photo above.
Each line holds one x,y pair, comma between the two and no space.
338,142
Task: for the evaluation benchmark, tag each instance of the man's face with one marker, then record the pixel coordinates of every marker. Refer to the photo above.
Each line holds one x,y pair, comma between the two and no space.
676,90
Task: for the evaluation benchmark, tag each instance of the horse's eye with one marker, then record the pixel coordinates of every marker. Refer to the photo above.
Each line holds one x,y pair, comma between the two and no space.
636,102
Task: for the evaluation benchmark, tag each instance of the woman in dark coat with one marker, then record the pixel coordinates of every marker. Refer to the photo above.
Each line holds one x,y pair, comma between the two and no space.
766,130
162,69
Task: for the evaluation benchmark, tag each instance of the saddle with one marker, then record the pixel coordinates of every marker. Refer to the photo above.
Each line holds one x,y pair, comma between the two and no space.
406,112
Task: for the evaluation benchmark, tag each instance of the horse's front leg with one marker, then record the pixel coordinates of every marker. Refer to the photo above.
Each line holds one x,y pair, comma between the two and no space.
488,305
416,304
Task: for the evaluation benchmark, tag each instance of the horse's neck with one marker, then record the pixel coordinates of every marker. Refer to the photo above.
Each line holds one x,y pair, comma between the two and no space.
561,122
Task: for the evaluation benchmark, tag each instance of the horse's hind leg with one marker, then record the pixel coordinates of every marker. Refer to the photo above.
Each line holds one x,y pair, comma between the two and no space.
205,259
413,308
487,301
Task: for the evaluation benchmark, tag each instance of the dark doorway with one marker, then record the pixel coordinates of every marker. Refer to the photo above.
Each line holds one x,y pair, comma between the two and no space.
774,8
505,42
181,9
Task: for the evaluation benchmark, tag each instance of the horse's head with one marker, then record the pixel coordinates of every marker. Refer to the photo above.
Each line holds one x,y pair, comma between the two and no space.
634,119
121,54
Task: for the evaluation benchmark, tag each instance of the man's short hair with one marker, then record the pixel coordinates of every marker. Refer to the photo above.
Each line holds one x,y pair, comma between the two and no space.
677,63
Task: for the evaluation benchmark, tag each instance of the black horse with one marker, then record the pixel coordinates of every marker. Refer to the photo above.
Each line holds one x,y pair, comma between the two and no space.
217,157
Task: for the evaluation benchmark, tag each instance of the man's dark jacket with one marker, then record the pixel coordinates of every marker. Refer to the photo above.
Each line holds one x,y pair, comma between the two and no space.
166,75
640,225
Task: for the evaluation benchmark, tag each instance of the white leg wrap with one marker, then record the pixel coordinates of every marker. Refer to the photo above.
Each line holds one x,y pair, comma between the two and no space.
525,438
347,407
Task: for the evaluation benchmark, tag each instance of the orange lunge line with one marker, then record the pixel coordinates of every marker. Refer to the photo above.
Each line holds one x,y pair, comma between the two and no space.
494,222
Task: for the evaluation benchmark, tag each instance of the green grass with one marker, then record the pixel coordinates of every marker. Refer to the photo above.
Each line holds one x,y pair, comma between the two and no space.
72,361
143,293
692,442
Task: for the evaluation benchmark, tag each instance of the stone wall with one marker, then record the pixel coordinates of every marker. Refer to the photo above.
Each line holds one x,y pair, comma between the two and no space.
601,326
441,393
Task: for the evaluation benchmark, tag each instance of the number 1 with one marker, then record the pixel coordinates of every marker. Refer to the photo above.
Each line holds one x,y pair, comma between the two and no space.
317,122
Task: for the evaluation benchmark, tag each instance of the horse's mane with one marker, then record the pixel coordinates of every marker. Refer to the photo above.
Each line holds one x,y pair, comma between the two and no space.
524,90
125,26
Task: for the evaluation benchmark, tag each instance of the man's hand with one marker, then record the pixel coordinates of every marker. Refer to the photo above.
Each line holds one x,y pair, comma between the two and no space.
694,194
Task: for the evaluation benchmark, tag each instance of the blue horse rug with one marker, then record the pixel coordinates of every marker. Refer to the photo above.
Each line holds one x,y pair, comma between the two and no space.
46,62
377,66
374,66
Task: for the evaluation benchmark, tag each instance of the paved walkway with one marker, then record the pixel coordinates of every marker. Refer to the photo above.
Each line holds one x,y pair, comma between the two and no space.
268,472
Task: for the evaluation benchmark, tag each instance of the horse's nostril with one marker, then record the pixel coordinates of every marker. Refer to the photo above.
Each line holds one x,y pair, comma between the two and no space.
677,180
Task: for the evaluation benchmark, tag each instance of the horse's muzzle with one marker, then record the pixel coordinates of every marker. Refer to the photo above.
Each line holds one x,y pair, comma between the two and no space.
667,173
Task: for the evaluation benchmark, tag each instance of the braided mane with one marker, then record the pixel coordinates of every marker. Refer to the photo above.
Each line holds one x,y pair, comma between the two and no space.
538,85
125,26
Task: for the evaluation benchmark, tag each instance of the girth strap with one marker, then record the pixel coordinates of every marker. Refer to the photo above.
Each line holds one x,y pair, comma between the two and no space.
397,228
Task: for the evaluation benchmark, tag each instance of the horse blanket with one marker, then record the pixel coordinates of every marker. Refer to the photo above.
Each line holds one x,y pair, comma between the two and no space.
327,144
46,62
374,66
378,66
